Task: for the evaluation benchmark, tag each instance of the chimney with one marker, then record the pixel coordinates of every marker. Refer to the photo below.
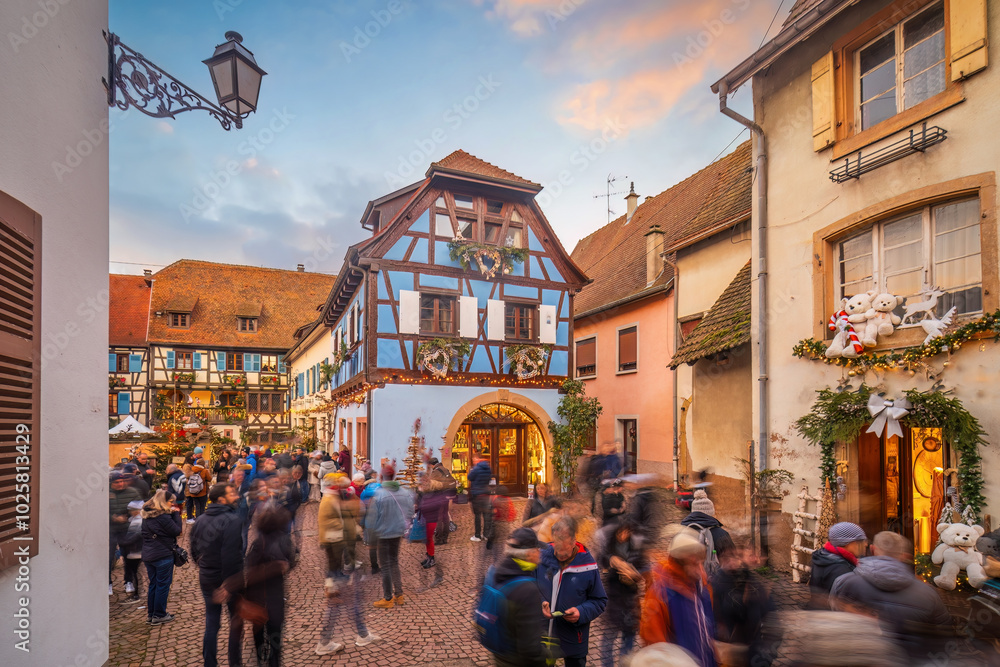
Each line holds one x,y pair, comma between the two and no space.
633,199
301,268
147,275
654,247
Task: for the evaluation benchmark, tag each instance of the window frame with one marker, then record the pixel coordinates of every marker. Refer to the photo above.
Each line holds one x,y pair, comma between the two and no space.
183,318
479,216
231,362
424,294
177,360
618,349
576,366
533,321
246,324
118,362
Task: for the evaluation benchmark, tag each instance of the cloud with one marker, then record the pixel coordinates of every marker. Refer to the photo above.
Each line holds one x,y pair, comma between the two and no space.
522,16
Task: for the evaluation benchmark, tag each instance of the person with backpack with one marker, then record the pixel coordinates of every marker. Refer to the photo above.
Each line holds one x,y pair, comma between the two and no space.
176,484
711,533
196,491
623,556
508,617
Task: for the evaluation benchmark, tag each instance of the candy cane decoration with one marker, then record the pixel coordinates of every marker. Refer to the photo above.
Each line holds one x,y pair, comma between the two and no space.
840,321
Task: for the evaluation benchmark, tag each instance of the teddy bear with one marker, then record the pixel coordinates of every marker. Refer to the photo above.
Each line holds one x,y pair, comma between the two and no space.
880,316
845,342
957,552
989,546
857,308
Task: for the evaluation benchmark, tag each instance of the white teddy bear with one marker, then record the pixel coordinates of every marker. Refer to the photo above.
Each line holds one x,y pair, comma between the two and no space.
957,552
857,308
880,316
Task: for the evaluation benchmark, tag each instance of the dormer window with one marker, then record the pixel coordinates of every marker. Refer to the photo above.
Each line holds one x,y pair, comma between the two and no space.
180,320
247,324
478,219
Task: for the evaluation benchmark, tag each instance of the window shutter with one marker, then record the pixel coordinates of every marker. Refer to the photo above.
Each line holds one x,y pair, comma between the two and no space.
170,359
627,349
20,368
196,361
112,363
409,312
123,399
220,360
135,363
822,102
256,363
494,319
586,353
968,37
300,382
357,320
547,321
468,317
281,363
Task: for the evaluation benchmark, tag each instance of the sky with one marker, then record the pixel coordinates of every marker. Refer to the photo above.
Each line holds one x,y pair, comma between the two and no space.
360,98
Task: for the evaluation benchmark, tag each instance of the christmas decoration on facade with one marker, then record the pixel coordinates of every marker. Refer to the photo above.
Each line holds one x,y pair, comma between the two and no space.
439,355
527,361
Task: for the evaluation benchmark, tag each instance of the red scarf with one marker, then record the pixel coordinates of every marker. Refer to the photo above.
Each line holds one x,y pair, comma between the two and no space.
843,553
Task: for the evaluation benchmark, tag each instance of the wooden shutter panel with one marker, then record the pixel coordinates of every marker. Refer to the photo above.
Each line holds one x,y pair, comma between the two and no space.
170,359
20,377
220,360
586,353
547,322
135,363
822,102
196,361
967,20
123,402
468,317
627,349
112,363
409,312
495,319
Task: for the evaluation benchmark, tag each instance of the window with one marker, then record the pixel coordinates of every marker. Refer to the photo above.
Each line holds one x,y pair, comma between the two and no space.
628,349
514,237
519,322
931,253
462,201
234,361
247,324
901,68
437,314
230,399
122,363
265,403
586,357
269,363
183,360
113,404
351,339
442,225
493,231
467,228
362,441
494,207
180,320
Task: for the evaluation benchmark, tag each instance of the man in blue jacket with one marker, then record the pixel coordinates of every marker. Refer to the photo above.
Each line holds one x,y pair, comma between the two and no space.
479,495
572,591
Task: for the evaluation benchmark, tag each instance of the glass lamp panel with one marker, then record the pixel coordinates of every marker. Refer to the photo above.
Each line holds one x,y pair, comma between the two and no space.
248,85
222,77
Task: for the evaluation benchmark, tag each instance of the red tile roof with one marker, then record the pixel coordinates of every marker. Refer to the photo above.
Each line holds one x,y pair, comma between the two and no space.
286,300
470,164
128,310
615,255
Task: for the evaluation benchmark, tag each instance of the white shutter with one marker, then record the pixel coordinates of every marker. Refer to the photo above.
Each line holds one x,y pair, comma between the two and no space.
547,325
357,322
494,319
409,312
468,320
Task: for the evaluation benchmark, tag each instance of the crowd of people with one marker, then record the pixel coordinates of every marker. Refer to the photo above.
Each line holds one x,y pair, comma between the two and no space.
690,592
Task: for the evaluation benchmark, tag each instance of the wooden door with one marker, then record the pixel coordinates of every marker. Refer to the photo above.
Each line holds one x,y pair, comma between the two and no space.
509,467
630,440
871,483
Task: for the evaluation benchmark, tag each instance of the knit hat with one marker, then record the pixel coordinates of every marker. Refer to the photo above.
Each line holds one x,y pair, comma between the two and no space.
117,476
135,505
845,532
523,538
198,450
701,503
686,543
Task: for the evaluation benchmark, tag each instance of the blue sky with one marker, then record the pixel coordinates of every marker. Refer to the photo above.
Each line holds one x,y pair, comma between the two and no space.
361,97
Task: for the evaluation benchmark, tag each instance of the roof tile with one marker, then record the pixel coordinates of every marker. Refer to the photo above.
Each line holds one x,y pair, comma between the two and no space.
726,326
128,310
462,161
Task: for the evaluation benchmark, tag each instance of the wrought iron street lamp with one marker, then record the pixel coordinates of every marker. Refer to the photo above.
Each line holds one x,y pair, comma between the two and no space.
136,82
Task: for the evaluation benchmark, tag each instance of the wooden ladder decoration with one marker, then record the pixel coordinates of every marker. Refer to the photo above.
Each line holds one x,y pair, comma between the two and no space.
800,532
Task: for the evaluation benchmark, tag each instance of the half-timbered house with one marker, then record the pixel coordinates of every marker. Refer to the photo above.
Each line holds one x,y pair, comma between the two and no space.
451,323
128,351
217,336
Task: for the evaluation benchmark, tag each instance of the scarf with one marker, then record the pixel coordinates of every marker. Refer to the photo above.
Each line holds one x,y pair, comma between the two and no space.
843,553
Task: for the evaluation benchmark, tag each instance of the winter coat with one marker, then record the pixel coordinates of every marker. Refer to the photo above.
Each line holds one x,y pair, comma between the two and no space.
338,519
132,542
622,596
159,534
889,588
678,610
368,516
536,507
523,620
325,468
577,585
206,477
479,479
391,508
720,538
217,543
344,461
177,485
118,507
826,568
146,477
742,603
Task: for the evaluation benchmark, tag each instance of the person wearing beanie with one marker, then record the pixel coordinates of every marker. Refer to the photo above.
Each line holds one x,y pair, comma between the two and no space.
132,550
678,605
845,544
702,517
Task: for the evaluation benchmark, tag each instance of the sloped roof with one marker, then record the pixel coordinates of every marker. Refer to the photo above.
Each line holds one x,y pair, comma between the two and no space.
615,255
798,9
128,310
726,326
285,300
464,162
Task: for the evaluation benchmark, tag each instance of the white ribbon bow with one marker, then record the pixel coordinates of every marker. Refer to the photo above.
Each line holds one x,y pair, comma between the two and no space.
887,413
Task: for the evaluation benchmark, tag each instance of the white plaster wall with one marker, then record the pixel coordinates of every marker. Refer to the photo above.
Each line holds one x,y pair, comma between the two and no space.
307,356
53,100
706,269
802,199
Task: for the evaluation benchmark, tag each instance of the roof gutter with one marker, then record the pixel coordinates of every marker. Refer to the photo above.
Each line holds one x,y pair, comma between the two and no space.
760,150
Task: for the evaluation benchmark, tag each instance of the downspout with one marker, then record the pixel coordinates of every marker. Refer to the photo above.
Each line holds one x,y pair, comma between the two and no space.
760,149
677,341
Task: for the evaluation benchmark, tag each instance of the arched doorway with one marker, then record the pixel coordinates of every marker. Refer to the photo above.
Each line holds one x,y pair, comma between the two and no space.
507,437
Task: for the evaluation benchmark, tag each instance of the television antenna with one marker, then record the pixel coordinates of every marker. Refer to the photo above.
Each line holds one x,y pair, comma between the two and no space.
608,194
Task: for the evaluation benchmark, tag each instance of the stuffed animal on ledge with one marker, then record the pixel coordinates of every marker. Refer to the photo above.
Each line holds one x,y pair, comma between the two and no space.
957,552
857,308
845,342
989,546
880,316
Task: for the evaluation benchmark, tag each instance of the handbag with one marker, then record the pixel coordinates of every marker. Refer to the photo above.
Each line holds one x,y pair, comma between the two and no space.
418,531
251,611
180,553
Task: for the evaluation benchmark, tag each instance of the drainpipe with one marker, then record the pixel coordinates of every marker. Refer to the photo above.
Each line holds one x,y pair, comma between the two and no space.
677,342
760,149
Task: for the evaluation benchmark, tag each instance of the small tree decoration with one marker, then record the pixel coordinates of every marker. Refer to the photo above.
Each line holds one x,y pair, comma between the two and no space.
414,457
489,259
527,361
969,516
439,355
947,514
578,419
827,516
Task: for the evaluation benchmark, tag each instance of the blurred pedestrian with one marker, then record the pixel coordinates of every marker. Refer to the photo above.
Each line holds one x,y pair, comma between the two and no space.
503,516
196,492
538,505
612,501
344,460
161,524
135,480
176,484
479,495
623,557
119,497
368,522
743,606
144,469
313,468
678,605
845,544
132,551
711,531
433,506
572,592
392,507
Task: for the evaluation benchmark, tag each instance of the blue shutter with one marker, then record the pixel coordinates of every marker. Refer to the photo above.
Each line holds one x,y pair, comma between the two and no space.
256,363
281,363
326,361
170,358
220,360
300,385
112,362
123,398
196,361
247,361
135,363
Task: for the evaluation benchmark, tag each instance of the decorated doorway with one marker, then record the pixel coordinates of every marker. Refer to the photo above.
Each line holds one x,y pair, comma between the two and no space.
509,439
